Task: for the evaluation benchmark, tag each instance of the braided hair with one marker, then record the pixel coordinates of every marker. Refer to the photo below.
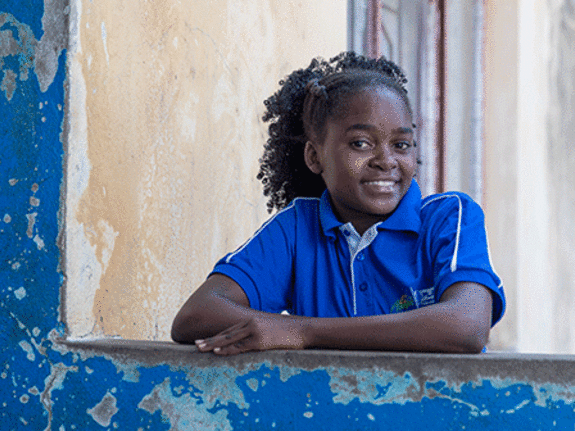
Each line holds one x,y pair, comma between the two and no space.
298,112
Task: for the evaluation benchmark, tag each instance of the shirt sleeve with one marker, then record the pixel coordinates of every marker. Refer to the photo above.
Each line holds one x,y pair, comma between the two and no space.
460,250
262,266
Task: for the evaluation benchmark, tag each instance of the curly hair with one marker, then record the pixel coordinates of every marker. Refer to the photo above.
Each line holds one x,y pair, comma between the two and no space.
298,112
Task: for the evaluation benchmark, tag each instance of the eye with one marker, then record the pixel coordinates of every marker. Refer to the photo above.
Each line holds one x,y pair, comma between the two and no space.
402,145
359,144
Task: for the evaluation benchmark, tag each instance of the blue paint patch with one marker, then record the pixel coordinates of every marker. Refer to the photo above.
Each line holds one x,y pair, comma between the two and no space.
30,179
29,11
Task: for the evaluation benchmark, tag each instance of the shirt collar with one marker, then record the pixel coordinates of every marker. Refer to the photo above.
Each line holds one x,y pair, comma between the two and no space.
328,219
405,217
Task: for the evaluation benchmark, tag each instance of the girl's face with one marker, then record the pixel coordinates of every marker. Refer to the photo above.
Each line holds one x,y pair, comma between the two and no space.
367,159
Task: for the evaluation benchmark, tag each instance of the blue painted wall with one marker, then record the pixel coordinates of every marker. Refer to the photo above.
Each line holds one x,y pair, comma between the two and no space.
47,384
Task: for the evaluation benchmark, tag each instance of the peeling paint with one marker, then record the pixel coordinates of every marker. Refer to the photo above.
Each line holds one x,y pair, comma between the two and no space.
374,387
181,411
8,84
53,42
103,412
17,40
39,242
28,349
31,221
53,382
20,293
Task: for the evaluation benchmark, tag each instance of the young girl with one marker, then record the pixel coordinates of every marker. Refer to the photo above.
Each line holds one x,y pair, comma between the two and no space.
355,255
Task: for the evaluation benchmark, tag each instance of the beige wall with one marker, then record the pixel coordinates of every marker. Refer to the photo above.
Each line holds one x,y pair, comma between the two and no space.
165,132
501,158
529,193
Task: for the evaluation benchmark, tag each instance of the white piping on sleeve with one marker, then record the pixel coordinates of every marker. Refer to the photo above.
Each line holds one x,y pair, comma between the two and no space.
458,233
489,256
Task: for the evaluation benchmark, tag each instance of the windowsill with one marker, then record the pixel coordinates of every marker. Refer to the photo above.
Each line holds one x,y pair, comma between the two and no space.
535,368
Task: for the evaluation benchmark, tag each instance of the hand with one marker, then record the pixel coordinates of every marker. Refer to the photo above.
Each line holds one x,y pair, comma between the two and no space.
257,333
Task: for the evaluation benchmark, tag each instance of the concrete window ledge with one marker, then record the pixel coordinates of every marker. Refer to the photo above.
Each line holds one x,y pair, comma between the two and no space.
327,389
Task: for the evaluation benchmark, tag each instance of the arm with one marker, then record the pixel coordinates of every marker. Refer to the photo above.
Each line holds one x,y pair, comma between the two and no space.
218,304
459,323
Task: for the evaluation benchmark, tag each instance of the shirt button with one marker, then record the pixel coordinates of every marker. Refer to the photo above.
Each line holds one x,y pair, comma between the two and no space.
363,287
360,256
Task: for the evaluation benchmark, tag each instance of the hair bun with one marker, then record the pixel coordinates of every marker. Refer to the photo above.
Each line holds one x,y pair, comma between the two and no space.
316,89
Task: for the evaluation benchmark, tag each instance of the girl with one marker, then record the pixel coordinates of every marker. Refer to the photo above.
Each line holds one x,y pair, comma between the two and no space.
355,255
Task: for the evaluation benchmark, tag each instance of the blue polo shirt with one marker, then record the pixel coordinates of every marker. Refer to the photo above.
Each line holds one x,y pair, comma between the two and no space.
304,260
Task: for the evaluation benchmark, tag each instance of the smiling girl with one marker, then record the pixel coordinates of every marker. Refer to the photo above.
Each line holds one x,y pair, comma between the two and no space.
354,254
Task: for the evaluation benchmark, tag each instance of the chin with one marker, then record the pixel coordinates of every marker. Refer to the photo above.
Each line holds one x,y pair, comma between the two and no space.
384,210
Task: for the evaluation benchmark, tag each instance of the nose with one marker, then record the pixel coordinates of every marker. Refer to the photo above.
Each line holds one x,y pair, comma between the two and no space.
383,158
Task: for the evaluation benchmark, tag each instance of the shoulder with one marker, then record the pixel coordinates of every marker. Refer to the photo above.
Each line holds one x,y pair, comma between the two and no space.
300,208
450,210
280,228
305,204
447,199
299,211
449,202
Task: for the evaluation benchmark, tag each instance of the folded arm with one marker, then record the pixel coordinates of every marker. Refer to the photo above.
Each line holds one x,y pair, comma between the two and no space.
218,318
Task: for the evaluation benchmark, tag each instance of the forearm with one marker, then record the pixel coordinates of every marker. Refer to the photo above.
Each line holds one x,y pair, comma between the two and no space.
436,328
207,315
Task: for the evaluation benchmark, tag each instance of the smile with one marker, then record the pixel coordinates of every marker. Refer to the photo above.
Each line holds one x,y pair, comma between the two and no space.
380,183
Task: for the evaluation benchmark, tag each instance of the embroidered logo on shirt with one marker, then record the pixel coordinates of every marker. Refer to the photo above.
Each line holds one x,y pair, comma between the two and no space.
402,304
425,296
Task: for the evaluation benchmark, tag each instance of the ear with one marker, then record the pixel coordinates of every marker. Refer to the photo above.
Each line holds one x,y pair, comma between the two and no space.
311,157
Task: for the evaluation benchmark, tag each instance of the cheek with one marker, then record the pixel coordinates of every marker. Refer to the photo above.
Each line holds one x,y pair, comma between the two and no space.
355,164
409,165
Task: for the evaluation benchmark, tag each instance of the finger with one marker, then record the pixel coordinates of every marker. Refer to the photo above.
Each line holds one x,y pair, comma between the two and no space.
236,348
227,333
222,340
232,328
207,344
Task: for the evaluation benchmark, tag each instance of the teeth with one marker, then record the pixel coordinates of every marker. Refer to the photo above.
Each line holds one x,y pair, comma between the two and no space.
382,183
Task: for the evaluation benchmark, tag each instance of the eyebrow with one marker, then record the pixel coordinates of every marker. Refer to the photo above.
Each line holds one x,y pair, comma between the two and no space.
399,130
403,130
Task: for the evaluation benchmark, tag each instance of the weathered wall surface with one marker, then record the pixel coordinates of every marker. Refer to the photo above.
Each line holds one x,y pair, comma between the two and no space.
529,198
33,40
501,159
155,386
52,384
32,75
166,133
560,130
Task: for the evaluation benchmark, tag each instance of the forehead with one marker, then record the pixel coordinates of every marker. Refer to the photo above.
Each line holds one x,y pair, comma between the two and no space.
377,105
